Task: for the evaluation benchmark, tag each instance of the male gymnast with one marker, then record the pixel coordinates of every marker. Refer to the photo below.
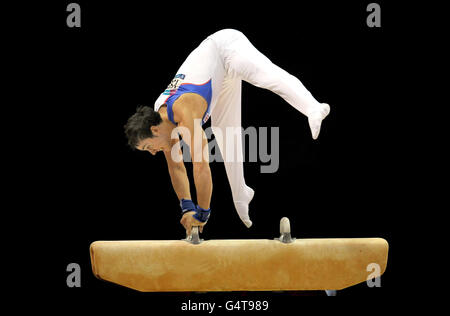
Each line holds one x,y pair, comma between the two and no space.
208,85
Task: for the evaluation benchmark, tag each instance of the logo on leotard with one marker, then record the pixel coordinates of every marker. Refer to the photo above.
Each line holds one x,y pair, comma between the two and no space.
174,84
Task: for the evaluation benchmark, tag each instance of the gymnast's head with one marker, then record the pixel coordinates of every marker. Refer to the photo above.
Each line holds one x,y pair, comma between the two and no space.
146,130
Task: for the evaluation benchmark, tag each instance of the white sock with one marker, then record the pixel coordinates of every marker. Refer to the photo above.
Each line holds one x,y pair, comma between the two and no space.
315,119
242,207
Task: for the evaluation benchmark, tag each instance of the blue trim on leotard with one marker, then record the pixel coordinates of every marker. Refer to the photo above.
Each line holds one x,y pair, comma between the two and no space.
205,90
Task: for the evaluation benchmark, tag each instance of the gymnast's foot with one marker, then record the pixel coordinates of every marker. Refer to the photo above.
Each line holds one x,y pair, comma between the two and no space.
242,207
315,119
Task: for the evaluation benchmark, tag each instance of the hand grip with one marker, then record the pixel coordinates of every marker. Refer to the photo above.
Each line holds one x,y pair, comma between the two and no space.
285,231
194,237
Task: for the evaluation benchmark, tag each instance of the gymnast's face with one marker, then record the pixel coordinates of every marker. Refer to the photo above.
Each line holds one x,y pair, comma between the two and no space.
159,142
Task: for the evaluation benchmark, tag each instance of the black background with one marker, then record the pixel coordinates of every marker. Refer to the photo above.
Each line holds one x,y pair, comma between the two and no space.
93,187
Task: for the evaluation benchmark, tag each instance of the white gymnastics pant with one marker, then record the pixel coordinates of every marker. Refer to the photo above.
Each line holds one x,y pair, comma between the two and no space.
242,61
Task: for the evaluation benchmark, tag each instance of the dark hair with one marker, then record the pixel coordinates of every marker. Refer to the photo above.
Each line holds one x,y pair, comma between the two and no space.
138,125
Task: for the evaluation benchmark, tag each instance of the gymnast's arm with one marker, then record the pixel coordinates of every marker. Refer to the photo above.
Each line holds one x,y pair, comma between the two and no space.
189,116
180,183
177,172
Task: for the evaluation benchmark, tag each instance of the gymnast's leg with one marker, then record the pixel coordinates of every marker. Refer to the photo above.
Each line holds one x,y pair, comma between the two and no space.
242,59
227,114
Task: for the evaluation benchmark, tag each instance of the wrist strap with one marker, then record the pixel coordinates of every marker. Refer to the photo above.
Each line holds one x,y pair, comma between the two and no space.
187,206
201,214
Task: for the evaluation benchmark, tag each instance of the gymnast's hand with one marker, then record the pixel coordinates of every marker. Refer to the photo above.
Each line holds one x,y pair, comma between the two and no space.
188,221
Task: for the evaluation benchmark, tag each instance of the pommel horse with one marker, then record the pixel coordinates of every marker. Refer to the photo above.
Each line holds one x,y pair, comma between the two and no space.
280,264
